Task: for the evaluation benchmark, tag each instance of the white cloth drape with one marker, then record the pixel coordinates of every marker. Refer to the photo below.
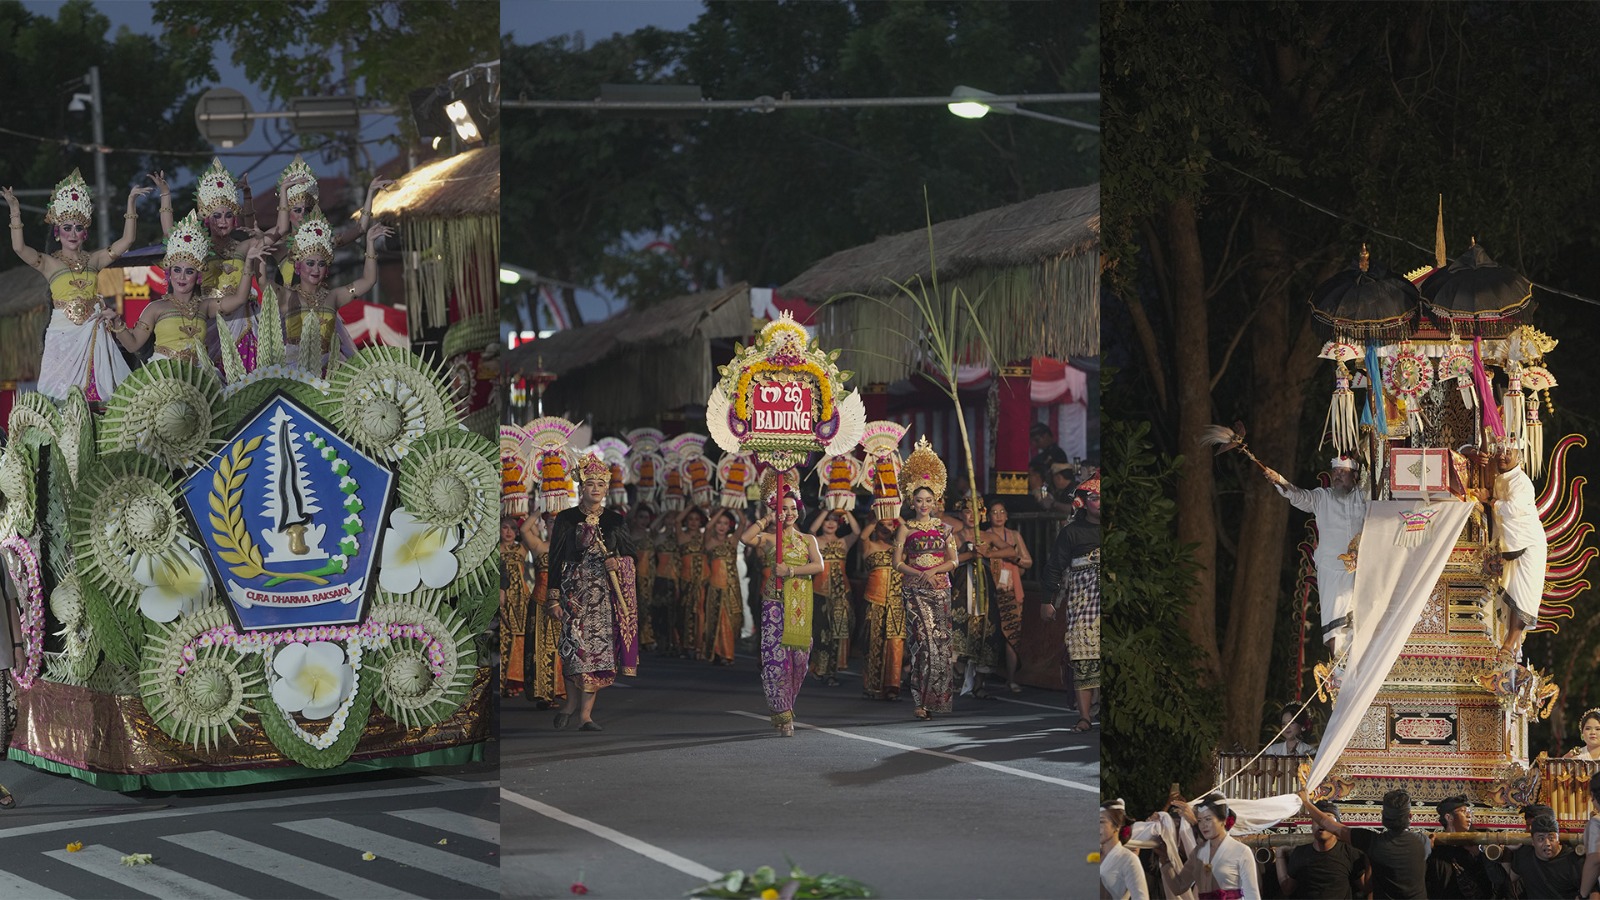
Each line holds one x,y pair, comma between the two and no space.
71,350
1393,583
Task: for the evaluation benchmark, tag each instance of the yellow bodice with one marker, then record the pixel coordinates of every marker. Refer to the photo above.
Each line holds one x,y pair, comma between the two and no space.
74,293
293,324
220,277
181,337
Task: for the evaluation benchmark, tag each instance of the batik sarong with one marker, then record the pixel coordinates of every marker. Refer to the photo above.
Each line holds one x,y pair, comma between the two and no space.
785,631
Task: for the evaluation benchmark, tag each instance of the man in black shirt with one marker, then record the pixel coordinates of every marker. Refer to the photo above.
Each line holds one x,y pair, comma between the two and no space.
1397,854
1545,869
1458,870
1325,868
1045,449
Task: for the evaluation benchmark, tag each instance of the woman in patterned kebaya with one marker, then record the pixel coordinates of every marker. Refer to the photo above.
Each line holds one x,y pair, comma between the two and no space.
924,555
786,604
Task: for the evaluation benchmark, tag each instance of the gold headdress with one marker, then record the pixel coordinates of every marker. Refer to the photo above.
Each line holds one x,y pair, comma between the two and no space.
71,201
314,237
769,489
923,470
216,190
189,242
298,167
594,469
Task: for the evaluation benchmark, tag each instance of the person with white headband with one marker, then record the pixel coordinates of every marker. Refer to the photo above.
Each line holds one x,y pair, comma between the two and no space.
1221,868
1121,876
1340,510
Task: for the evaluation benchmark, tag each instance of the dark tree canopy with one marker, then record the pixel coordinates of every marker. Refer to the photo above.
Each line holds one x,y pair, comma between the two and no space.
758,197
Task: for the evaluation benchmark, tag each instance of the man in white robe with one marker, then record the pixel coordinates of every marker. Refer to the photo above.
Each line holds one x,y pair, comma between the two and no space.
1523,546
1341,511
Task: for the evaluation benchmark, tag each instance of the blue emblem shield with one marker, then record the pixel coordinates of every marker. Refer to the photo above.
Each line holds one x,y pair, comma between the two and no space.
291,515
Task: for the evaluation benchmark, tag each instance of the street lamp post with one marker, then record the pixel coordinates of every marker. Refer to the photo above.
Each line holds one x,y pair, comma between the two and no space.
973,103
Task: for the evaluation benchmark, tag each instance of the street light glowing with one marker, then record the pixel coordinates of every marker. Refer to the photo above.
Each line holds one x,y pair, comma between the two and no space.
465,127
507,276
967,109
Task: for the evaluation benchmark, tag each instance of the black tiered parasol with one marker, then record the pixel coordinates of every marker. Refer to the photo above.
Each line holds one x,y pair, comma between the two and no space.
1476,295
1365,302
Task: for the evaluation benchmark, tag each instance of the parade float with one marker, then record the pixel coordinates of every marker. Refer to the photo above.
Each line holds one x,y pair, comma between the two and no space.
1423,366
278,577
780,400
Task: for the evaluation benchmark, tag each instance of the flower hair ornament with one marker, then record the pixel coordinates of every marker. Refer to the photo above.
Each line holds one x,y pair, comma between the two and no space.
314,237
773,498
217,190
189,242
298,167
70,201
923,469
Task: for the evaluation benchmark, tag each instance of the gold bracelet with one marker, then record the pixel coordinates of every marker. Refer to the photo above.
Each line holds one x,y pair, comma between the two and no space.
166,209
372,256
130,215
16,226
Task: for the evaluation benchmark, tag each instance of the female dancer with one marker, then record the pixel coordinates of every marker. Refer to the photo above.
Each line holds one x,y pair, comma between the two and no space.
78,347
178,320
513,608
833,596
216,200
644,563
541,668
310,311
1008,556
970,608
924,555
691,529
1589,730
724,598
886,614
298,195
664,595
785,605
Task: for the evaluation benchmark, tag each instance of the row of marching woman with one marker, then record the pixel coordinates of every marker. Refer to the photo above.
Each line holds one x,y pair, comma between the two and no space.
941,601
227,282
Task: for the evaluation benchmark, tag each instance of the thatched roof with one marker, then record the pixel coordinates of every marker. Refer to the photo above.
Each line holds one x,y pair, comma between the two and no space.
1035,264
627,370
449,212
467,184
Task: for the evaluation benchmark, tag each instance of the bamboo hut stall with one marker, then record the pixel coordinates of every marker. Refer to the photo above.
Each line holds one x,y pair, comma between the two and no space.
1035,264
449,223
629,369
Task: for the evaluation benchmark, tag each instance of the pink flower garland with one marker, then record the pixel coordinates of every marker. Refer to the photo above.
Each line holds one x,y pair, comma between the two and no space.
32,613
370,634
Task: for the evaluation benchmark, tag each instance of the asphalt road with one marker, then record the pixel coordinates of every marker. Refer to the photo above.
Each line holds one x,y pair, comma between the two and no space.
433,833
689,780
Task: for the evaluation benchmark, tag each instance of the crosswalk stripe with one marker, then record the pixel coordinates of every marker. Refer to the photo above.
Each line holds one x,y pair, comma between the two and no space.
269,802
13,886
439,862
106,862
452,821
310,876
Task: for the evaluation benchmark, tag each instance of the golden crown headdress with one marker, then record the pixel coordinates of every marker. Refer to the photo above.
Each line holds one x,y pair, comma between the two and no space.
189,242
216,190
923,469
592,468
71,201
298,167
314,237
769,488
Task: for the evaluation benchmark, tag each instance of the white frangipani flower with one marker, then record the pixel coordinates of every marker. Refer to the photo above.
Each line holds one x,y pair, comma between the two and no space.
313,679
415,552
175,584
